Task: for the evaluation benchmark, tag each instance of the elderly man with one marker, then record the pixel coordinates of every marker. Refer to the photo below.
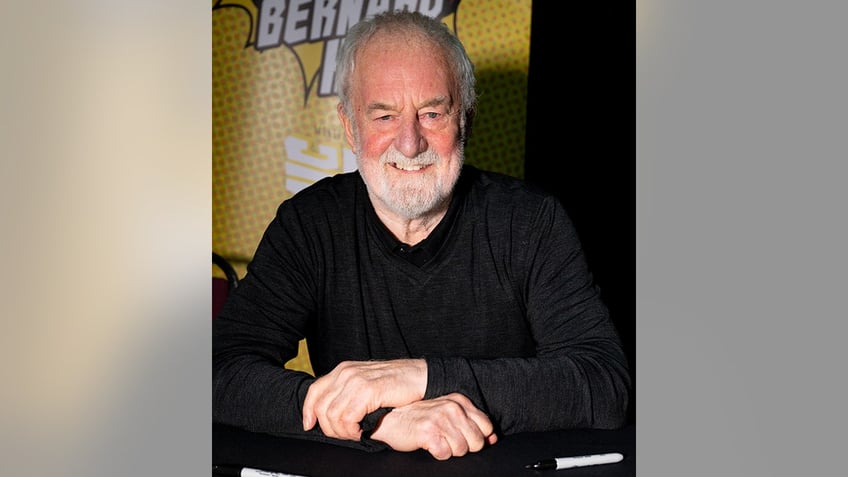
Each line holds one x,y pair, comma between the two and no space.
443,305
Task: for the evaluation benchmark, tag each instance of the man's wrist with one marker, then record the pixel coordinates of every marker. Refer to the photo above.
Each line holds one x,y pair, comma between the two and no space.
374,423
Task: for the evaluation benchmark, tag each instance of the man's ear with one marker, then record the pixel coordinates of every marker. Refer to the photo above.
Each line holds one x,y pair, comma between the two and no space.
348,126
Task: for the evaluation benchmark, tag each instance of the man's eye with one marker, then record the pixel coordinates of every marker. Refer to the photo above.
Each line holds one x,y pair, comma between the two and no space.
432,115
384,118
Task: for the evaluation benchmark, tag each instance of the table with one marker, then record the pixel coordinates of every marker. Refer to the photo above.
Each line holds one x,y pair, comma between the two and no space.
506,458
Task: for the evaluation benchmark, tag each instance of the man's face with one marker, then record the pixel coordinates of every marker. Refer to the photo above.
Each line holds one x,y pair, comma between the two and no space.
405,129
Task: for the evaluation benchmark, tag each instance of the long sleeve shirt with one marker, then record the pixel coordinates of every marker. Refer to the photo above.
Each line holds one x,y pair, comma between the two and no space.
503,309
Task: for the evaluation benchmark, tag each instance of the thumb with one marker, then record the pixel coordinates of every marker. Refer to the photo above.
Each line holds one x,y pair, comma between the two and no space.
309,418
308,421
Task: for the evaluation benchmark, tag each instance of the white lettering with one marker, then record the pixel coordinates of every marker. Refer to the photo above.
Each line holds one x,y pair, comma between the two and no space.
327,86
304,167
434,9
377,6
270,23
296,28
323,18
349,13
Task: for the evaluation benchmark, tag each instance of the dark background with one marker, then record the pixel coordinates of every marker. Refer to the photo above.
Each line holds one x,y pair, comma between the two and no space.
581,139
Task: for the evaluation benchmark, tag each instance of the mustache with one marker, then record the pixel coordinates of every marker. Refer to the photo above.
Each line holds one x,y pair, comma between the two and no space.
393,156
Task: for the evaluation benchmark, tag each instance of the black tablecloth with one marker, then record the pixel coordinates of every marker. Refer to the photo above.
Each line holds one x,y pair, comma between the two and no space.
231,446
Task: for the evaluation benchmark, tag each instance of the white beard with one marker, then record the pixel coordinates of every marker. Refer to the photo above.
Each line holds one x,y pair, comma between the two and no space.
416,196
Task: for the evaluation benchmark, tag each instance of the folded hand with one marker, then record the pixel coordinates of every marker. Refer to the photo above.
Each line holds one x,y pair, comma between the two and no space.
338,401
446,426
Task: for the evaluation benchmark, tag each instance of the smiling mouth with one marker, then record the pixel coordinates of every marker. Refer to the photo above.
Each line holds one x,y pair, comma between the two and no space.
408,167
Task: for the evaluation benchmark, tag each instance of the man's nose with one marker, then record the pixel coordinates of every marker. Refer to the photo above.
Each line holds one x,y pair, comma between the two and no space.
410,141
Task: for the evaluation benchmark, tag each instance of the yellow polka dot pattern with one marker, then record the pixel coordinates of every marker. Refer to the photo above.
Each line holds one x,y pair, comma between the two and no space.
496,35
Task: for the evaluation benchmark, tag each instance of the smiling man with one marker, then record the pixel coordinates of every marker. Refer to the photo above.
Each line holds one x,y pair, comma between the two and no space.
443,305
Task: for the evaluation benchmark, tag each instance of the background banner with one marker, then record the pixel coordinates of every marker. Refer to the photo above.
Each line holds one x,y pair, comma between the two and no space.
274,123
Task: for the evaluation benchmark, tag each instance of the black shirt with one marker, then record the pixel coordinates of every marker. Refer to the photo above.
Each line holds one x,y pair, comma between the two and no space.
503,310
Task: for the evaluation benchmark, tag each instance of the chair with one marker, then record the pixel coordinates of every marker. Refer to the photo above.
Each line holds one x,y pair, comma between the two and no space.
222,287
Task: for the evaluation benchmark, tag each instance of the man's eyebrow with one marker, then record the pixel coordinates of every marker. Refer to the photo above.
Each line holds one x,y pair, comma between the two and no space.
379,107
437,101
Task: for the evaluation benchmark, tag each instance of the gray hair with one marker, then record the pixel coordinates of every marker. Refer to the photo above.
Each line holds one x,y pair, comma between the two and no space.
405,23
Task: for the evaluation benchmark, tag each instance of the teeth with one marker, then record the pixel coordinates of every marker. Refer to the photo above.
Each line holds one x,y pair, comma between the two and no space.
409,168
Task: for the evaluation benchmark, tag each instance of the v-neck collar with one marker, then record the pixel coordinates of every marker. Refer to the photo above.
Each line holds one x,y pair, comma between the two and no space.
424,251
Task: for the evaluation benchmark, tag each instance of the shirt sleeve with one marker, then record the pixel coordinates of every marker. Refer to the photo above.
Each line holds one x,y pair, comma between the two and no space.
578,377
258,331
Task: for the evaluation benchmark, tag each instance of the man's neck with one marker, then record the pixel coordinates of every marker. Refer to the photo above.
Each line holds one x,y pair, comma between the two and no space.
410,231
